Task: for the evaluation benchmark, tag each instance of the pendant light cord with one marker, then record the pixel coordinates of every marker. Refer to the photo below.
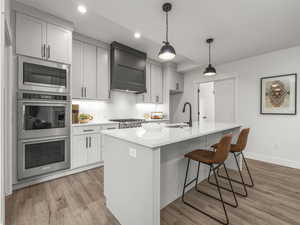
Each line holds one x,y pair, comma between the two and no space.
209,58
167,27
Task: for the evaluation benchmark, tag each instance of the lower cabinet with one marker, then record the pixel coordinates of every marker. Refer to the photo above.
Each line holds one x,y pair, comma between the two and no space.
86,150
87,144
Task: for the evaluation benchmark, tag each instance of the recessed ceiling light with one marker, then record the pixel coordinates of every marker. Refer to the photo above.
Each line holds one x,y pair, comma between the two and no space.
81,9
137,35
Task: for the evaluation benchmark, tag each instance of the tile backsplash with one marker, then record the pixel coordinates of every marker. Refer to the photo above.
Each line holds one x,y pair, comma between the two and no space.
121,105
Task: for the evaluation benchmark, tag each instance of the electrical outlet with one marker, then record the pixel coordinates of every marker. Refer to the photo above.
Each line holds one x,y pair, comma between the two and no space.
132,152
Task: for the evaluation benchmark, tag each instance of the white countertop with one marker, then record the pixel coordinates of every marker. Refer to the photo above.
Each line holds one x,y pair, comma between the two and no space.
91,123
166,136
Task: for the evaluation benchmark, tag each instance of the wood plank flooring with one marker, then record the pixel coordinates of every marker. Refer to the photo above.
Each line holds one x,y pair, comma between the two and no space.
78,200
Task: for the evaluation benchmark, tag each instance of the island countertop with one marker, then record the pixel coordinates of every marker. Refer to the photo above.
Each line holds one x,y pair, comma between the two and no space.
166,136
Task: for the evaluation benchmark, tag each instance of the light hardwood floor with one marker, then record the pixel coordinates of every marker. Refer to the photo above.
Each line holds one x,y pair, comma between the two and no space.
78,200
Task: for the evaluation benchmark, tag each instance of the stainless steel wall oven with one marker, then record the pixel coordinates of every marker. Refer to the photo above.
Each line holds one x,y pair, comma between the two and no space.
40,156
43,133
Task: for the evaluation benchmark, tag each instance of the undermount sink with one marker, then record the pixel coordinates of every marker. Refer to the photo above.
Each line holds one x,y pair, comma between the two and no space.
177,125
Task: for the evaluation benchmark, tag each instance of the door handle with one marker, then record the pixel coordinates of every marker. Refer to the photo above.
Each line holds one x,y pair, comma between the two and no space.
86,142
177,86
48,51
43,50
157,98
90,142
82,92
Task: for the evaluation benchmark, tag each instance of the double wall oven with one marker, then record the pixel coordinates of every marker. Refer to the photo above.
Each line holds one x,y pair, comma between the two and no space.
43,118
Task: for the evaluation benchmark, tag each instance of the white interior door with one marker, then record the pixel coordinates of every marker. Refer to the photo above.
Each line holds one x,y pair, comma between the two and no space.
225,100
206,102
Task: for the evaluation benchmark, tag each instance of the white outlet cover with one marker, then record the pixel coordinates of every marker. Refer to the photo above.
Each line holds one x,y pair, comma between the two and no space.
132,152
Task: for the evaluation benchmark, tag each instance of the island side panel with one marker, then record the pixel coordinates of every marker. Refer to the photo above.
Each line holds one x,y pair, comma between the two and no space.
132,183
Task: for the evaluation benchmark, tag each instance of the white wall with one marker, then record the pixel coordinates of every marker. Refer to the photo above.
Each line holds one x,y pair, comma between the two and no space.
273,138
121,105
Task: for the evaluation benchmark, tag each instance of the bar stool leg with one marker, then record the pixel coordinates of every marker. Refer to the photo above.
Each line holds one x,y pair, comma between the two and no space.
245,194
248,170
219,190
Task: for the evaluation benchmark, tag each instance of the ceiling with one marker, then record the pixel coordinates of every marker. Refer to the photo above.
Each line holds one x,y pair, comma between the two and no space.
241,28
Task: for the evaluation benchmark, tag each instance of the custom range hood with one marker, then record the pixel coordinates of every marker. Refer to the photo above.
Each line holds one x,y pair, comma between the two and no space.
128,69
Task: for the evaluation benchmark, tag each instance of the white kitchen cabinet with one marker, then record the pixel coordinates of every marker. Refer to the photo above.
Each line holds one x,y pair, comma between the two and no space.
103,78
93,150
77,70
87,144
90,73
59,44
30,36
39,39
175,80
156,84
79,151
85,150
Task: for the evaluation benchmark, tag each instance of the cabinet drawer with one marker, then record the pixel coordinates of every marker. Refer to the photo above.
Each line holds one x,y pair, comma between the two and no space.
85,130
110,126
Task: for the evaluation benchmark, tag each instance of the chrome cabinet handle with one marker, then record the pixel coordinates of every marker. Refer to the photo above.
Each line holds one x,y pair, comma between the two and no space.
90,142
43,51
48,51
177,86
157,98
86,142
85,92
82,92
90,130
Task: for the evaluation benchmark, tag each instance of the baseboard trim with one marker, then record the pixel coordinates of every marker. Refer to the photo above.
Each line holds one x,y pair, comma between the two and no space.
49,177
274,160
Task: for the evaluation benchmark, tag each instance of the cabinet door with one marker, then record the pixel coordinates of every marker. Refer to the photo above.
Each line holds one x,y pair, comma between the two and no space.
93,152
90,71
156,84
77,70
30,36
79,151
59,44
103,78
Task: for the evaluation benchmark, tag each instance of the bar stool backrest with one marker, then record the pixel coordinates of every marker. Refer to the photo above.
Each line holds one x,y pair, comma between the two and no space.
222,149
242,139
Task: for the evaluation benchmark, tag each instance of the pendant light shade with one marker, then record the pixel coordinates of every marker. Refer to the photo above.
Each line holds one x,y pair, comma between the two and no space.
210,70
167,51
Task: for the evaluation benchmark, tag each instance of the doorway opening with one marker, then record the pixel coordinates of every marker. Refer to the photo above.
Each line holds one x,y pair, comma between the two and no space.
216,101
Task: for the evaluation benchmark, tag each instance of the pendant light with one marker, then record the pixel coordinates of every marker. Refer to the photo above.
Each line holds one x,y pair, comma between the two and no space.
167,52
210,70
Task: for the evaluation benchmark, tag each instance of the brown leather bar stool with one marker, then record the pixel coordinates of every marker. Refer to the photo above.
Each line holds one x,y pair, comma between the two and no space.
214,159
237,150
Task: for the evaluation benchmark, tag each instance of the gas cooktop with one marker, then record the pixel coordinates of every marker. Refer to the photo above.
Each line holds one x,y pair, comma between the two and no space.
128,123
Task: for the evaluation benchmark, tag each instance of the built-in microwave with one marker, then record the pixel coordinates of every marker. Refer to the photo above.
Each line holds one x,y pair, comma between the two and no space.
40,75
41,156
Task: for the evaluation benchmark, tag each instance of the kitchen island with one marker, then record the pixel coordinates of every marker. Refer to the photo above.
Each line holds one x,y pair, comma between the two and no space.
144,169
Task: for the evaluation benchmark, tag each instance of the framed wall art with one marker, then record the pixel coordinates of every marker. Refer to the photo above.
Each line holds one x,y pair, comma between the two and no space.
278,95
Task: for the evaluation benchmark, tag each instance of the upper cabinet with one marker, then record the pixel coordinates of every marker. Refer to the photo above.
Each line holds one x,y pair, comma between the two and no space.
154,84
39,39
90,73
174,80
103,71
156,89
